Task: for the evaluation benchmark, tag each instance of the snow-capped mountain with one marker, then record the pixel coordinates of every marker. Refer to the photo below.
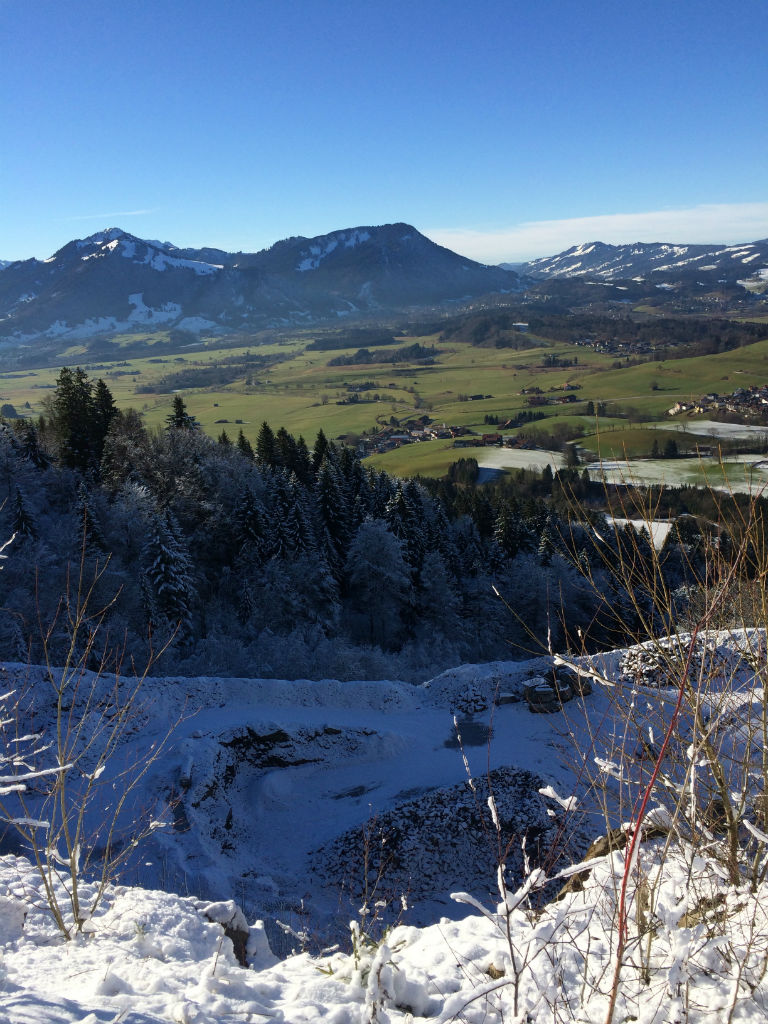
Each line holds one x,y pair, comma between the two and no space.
113,281
656,260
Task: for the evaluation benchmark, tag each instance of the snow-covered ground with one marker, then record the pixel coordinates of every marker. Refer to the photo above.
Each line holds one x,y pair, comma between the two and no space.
658,528
283,787
153,957
519,458
741,475
712,428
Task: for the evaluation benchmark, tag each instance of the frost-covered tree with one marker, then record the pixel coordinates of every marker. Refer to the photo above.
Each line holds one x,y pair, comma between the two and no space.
403,519
333,525
250,527
168,578
127,453
378,586
23,523
30,447
89,529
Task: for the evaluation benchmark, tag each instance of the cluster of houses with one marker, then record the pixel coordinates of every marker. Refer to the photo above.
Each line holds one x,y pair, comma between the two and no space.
415,431
412,432
750,402
534,396
614,347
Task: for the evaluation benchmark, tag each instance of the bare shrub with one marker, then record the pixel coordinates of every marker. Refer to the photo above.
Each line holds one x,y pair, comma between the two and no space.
76,732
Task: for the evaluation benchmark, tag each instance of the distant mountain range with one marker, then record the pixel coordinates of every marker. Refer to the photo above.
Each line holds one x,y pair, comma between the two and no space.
654,260
115,282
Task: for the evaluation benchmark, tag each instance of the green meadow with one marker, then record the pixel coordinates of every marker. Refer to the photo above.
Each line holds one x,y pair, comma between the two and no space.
303,393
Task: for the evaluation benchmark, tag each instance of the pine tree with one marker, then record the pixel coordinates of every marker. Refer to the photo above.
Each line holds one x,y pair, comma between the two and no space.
168,576
250,528
320,450
244,446
104,412
179,418
403,519
508,531
286,453
266,446
23,524
303,468
547,542
72,417
88,527
29,446
298,532
332,519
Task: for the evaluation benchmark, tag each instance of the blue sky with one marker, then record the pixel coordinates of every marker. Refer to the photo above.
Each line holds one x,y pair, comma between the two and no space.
504,130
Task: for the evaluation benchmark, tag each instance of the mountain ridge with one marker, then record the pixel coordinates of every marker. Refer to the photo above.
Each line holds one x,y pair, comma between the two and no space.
663,260
113,282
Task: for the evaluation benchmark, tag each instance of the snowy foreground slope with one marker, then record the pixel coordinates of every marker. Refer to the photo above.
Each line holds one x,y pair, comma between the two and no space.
157,957
276,780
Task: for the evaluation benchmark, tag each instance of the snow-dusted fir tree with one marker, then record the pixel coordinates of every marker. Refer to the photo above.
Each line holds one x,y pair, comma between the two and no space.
404,521
169,587
88,527
23,523
509,531
332,518
379,585
251,528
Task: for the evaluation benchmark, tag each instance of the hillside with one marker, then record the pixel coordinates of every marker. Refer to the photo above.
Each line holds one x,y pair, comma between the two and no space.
270,772
660,261
113,282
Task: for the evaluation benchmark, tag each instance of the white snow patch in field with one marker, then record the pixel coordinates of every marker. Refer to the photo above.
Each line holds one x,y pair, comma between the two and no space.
517,458
711,428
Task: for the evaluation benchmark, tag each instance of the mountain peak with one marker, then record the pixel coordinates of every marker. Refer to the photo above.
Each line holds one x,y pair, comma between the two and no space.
647,260
113,281
107,235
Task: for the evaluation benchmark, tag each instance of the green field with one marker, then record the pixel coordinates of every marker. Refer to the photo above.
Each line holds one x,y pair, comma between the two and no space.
303,393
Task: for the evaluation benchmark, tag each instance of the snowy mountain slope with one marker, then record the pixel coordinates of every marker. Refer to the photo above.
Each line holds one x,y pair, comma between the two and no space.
660,261
113,281
696,950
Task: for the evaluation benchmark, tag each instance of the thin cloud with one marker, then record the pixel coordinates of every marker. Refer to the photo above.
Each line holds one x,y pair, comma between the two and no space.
708,223
107,216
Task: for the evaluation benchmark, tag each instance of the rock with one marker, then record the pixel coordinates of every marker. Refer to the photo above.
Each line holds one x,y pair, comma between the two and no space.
579,683
542,696
615,839
232,920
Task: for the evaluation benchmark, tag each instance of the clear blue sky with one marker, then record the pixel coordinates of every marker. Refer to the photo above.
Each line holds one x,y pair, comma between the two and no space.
504,129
